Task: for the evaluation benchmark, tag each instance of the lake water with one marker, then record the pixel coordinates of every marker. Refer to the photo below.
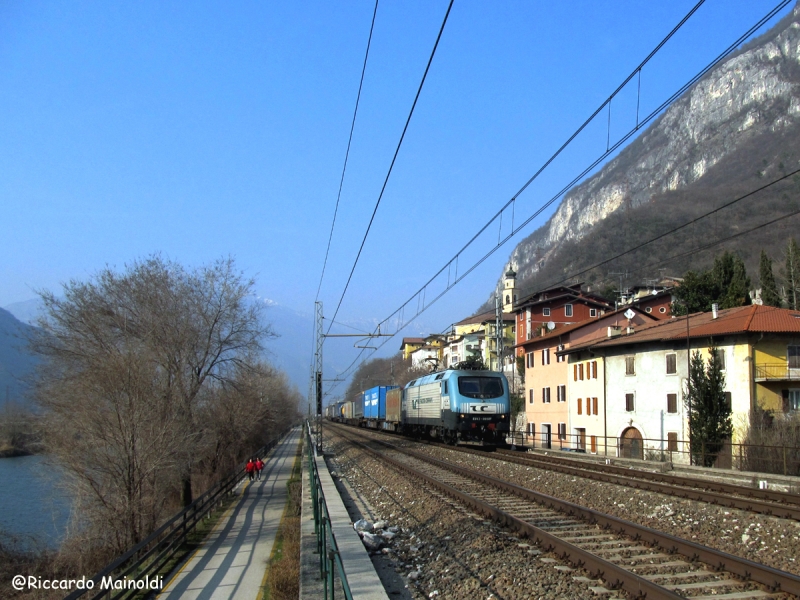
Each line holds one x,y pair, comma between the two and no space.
31,501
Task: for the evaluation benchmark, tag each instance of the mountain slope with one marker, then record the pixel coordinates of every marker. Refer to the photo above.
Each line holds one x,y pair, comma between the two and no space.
731,133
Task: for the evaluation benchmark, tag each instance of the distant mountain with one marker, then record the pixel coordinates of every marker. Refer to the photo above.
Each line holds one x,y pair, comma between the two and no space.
26,311
16,363
734,131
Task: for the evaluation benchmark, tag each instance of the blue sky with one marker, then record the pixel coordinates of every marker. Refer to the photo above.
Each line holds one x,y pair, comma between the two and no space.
203,129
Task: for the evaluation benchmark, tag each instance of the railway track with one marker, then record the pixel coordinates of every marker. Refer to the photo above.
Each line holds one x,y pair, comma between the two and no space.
779,504
640,560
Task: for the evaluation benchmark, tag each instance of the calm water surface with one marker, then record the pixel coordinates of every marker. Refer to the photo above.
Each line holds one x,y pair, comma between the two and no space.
31,501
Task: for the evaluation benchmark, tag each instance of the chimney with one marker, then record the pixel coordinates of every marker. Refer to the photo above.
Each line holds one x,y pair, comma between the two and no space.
714,310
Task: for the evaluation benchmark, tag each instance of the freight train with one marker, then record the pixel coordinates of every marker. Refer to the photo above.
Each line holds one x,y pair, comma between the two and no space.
452,405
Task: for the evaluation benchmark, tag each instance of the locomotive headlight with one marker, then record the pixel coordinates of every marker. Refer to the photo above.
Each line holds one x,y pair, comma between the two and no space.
462,416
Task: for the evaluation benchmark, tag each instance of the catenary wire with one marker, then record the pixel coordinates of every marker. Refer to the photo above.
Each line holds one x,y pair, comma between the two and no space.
347,152
669,259
604,155
678,228
394,158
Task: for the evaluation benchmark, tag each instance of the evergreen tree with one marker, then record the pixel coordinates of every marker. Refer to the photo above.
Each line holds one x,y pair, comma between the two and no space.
791,274
709,410
726,283
769,289
733,284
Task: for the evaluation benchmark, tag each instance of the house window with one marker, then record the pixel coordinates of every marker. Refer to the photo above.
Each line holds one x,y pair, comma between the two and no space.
662,310
592,312
672,441
721,358
672,403
580,405
728,400
593,365
793,356
561,358
531,429
568,310
546,356
529,360
630,365
594,405
794,400
545,312
546,395
648,310
562,431
672,364
629,402
561,392
530,396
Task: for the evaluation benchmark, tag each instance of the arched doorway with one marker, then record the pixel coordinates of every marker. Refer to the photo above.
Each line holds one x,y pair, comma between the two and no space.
630,444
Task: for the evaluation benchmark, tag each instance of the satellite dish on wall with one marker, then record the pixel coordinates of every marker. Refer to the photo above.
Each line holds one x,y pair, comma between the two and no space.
551,326
629,314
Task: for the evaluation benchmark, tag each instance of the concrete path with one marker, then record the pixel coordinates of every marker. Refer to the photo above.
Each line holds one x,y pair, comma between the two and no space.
232,563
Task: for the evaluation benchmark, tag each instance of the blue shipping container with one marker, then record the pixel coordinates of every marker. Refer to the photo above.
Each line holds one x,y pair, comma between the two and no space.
375,402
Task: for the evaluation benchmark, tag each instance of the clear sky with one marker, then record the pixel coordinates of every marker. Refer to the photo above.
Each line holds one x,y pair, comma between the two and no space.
206,129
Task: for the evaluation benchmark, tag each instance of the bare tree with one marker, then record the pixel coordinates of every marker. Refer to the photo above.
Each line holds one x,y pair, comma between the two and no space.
130,360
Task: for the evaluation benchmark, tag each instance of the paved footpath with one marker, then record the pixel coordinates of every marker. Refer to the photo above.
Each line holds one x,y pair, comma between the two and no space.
232,563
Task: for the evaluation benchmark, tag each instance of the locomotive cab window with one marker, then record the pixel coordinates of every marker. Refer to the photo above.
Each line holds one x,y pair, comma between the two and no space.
480,387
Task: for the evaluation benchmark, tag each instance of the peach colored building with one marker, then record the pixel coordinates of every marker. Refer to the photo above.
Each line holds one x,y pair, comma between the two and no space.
555,381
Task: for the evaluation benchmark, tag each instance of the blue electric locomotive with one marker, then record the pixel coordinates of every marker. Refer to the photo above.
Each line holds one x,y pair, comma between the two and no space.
458,406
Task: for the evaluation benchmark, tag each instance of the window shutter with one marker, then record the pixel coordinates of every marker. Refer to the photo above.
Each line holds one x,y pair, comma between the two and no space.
580,402
594,401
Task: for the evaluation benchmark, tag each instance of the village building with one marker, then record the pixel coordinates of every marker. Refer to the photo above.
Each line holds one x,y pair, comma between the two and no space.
563,391
558,305
646,369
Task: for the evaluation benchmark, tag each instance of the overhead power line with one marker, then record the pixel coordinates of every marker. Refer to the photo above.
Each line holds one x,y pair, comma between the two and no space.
452,266
681,227
347,152
394,158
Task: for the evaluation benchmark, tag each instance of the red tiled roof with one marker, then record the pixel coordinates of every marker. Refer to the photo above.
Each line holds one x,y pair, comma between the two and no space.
559,331
743,319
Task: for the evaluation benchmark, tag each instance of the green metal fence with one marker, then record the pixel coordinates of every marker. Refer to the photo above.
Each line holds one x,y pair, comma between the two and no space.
330,562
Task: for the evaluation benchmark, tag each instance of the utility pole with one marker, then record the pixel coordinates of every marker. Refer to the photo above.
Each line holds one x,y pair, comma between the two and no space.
498,311
318,374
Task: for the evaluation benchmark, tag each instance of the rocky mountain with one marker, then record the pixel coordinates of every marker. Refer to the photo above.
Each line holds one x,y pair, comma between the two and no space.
734,131
16,363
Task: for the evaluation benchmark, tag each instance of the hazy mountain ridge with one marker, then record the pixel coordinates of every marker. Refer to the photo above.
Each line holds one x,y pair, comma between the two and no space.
751,99
16,362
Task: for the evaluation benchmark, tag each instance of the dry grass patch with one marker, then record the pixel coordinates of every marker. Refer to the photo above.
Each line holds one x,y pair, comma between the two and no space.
283,572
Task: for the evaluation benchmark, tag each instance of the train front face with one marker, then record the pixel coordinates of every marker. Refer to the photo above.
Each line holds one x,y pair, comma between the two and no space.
480,401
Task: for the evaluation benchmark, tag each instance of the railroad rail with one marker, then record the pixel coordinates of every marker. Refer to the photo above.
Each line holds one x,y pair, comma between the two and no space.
638,559
721,494
765,495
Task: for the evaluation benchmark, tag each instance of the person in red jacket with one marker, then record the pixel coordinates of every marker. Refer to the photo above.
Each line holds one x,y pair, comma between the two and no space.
259,466
250,469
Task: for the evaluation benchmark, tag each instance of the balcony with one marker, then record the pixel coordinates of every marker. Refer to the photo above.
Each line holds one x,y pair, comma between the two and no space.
776,372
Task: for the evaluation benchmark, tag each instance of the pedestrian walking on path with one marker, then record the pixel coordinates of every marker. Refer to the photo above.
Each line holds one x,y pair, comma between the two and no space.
250,469
259,466
231,563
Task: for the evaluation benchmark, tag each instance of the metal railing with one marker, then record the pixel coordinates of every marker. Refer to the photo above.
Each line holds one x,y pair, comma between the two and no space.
760,458
330,561
776,372
148,557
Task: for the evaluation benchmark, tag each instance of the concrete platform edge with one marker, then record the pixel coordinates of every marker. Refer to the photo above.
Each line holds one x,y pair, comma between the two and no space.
361,575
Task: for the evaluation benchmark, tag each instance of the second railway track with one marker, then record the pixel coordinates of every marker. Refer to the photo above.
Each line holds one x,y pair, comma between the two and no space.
641,560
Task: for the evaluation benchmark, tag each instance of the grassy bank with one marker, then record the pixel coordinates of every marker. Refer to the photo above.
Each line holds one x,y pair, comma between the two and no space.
283,572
